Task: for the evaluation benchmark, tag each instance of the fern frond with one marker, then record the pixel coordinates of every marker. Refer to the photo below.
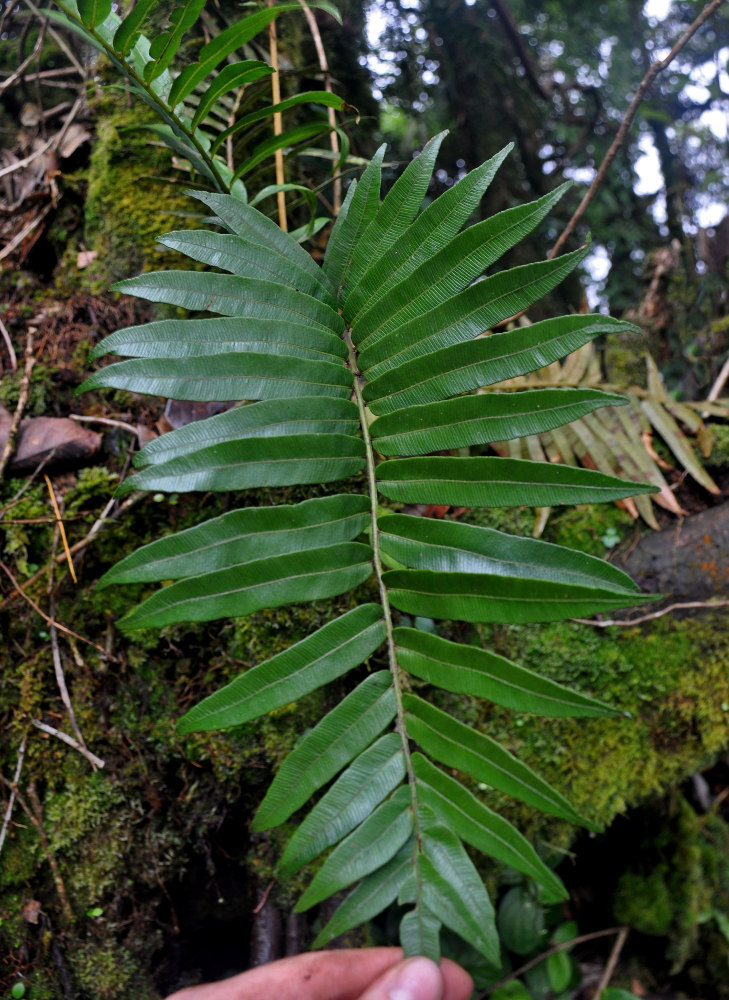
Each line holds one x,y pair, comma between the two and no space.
365,368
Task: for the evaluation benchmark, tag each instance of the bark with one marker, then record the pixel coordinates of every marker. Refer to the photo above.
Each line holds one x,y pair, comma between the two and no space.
687,562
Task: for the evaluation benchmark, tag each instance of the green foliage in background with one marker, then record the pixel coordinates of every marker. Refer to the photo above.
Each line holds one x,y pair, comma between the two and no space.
365,368
209,112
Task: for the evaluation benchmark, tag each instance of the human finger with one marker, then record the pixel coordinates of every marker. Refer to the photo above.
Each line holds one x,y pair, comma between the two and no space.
343,974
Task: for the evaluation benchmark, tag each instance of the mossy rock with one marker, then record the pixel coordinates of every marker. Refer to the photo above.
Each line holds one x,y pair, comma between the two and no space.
133,197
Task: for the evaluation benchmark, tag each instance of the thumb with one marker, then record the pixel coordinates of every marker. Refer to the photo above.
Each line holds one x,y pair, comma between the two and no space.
413,979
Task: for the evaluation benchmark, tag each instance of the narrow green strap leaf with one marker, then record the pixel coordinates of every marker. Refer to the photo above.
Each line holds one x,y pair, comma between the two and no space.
254,462
286,141
321,97
233,296
456,745
483,418
229,78
482,674
371,845
268,418
245,221
433,228
128,31
477,597
452,269
420,933
181,146
165,45
469,313
453,889
480,827
486,360
242,536
232,38
340,736
350,800
267,583
497,482
374,893
424,543
307,665
398,209
360,211
225,377
244,258
195,338
93,12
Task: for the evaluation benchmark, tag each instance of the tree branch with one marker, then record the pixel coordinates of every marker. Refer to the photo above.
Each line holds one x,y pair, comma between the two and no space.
643,87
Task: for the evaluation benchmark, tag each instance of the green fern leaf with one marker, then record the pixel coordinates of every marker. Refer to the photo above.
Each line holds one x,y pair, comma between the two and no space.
340,736
381,352
320,658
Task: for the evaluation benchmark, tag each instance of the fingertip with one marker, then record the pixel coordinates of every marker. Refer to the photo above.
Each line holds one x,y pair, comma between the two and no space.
457,983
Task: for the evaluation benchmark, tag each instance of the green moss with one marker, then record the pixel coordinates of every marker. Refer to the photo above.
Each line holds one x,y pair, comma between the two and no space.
130,202
38,395
677,880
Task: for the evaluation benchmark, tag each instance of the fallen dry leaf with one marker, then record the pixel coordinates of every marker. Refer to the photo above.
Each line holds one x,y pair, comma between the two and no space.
85,257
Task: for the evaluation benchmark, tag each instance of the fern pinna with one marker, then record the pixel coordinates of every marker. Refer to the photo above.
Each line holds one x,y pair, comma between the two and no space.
366,367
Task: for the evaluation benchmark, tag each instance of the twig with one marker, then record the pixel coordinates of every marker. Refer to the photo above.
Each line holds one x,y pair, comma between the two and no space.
264,898
91,757
612,962
655,68
609,622
582,939
36,818
10,80
22,400
58,39
103,420
15,242
61,681
13,792
718,385
324,66
9,345
78,546
61,528
44,616
277,121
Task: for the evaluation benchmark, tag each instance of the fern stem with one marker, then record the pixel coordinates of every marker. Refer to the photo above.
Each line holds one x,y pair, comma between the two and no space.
377,560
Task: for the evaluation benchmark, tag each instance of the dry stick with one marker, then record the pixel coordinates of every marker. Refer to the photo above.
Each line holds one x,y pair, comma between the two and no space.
61,528
324,66
612,962
36,818
277,121
582,939
10,80
608,623
13,793
45,617
61,681
78,546
22,400
655,68
108,421
95,761
25,231
57,38
9,345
